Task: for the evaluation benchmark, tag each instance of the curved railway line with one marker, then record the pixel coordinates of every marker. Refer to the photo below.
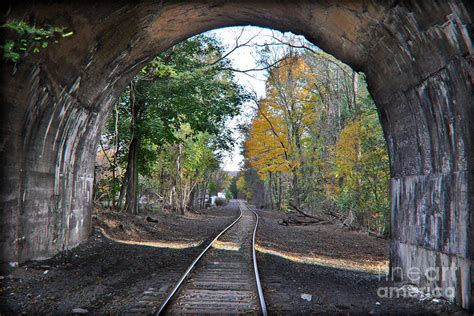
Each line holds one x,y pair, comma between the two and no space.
224,277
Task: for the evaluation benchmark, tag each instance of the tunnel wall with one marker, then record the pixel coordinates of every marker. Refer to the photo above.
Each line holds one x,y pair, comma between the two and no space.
427,114
50,120
417,56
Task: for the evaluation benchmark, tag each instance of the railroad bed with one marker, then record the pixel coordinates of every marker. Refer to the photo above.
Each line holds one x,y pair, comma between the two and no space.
224,278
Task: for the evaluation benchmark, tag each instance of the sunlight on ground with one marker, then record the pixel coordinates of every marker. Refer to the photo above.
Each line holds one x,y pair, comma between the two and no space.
346,264
226,245
157,244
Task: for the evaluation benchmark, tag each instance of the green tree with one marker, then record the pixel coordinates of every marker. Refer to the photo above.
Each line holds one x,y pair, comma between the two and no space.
234,191
184,86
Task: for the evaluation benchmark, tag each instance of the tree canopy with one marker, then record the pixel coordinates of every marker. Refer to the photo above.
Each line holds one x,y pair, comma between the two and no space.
178,104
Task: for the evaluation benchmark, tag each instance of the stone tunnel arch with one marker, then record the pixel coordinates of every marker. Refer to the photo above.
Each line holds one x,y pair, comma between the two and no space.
417,56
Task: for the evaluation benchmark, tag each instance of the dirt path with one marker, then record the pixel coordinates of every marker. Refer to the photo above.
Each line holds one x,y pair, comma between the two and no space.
343,277
325,244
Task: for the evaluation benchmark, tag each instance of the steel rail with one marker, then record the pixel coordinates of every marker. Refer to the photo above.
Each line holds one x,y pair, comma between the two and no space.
261,298
191,267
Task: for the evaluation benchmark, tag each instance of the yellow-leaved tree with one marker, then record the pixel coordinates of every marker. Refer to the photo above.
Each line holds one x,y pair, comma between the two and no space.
243,188
362,170
277,134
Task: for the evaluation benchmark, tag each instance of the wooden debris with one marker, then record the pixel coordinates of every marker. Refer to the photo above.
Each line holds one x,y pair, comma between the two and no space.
293,221
151,219
305,214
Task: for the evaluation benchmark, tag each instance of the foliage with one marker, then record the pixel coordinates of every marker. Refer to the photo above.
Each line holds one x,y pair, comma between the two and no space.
28,38
362,171
245,191
176,109
278,133
179,88
228,193
315,138
192,92
267,145
212,188
220,201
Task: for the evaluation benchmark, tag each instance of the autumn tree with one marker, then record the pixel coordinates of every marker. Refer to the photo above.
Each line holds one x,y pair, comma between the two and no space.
315,139
278,131
362,172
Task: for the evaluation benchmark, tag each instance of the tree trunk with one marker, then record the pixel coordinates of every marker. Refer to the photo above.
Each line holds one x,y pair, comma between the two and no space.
204,191
179,181
131,193
123,190
299,148
95,185
131,197
192,196
279,190
295,189
197,196
162,182
270,185
355,86
114,167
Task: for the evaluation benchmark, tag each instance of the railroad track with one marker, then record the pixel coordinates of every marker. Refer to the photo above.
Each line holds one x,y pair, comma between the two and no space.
224,278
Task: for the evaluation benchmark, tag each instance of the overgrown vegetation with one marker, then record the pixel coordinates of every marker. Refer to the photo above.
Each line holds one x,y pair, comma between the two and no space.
23,38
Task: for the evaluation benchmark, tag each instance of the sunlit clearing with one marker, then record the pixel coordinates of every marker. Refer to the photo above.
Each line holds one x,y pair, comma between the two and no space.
226,245
380,267
157,244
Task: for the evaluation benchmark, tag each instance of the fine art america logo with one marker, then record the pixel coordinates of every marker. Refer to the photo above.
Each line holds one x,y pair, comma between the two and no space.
413,275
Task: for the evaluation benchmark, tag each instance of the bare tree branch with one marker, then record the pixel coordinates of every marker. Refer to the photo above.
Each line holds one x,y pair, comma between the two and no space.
237,46
277,64
320,54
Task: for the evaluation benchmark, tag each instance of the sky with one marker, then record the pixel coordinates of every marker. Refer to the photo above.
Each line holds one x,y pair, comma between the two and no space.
244,58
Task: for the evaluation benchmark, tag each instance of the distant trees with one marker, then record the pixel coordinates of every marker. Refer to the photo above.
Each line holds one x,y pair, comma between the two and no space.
316,140
233,190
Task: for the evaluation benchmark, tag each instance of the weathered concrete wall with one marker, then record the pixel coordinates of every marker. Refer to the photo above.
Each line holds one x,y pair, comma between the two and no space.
417,56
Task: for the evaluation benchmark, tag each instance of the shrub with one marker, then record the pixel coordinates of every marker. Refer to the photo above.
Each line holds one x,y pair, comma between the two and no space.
220,201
